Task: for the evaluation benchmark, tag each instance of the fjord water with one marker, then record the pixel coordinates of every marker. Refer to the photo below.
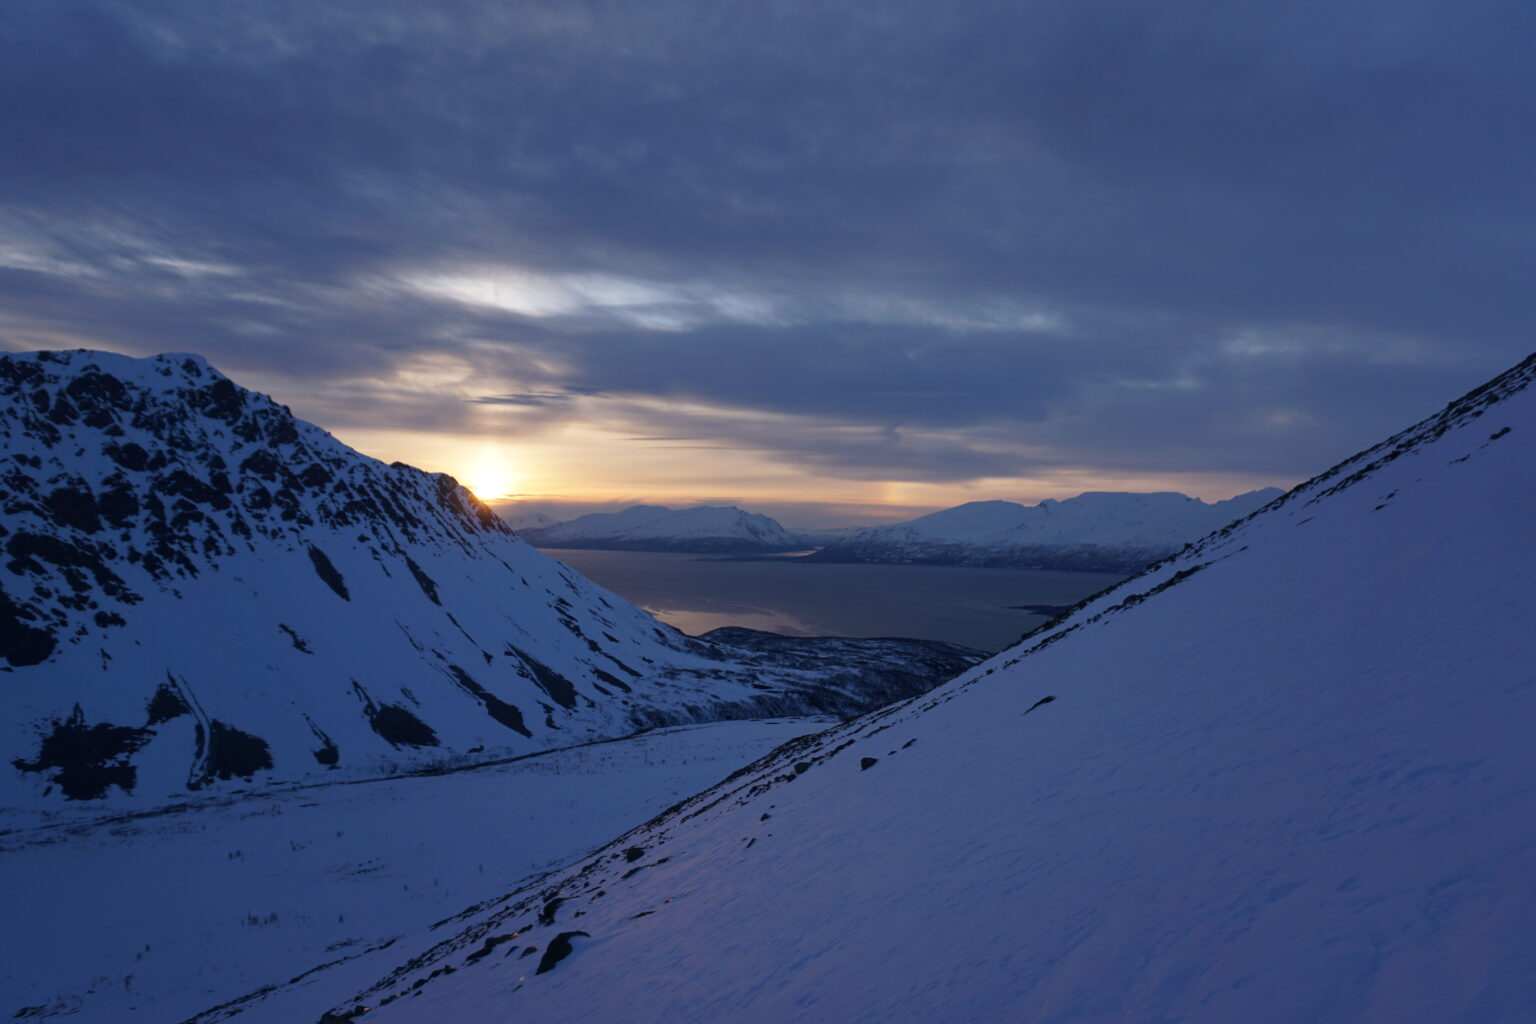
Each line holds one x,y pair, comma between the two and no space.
979,608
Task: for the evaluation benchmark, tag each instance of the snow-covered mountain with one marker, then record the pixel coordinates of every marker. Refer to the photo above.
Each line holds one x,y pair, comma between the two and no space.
521,519
708,529
1101,531
200,591
1285,775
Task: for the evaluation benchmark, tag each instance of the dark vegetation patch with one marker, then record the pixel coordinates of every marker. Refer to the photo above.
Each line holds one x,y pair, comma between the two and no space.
328,573
327,753
166,703
230,753
87,760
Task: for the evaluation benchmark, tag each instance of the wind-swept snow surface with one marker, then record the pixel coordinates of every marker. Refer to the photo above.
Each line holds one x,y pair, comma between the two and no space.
1285,776
200,592
155,916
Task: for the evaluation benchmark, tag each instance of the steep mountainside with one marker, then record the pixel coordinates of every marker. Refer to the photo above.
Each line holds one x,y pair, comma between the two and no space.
706,529
1284,776
1098,531
199,590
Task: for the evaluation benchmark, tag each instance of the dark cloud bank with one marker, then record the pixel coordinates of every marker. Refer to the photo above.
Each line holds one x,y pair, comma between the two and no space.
898,241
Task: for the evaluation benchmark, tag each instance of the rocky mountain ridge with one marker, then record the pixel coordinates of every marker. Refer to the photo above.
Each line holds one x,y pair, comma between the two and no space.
201,592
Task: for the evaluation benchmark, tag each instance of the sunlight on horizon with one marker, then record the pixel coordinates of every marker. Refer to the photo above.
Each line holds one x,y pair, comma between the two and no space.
584,464
492,477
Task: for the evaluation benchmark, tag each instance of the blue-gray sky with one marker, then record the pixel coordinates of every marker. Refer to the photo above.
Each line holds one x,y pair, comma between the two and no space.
866,253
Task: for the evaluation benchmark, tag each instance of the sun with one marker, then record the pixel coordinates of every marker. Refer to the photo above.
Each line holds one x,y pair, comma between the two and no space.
491,479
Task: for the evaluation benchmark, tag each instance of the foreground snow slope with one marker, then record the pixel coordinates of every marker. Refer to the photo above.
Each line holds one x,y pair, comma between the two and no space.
706,528
198,591
153,917
1285,776
1104,531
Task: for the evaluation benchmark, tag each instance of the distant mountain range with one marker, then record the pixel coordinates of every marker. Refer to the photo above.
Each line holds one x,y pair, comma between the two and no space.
521,519
705,529
201,592
1099,531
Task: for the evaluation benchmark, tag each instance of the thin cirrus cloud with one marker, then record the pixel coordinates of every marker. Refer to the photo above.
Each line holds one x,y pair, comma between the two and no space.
954,244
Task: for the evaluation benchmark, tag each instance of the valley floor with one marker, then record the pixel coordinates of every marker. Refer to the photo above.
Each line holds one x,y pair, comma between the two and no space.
160,917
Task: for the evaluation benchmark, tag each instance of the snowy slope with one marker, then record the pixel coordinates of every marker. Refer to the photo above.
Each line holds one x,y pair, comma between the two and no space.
707,529
1100,531
224,896
200,591
1284,776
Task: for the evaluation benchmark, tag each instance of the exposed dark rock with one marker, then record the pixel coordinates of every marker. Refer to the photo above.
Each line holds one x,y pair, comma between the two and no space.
328,573
507,714
396,724
558,949
427,584
556,686
74,508
87,760
1042,700
21,643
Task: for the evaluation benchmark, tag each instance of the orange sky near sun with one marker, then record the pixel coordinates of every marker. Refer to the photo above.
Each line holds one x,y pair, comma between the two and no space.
585,463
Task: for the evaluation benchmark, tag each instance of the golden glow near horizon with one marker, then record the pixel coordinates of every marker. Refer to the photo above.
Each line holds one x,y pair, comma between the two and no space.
541,444
582,463
492,475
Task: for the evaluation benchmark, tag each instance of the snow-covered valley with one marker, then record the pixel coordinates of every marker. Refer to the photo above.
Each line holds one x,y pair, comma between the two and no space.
158,915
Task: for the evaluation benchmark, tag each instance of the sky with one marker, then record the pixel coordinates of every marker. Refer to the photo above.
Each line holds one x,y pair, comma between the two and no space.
840,262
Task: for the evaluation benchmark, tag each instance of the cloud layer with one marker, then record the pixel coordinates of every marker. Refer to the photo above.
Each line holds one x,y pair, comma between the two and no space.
902,242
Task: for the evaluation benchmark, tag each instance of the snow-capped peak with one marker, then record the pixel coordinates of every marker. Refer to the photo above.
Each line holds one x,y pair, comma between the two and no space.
200,591
706,528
